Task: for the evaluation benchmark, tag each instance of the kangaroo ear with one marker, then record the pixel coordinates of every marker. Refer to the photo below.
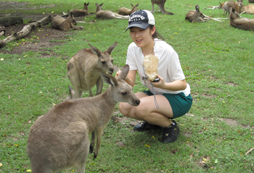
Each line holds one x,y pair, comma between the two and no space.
95,50
124,72
109,50
108,79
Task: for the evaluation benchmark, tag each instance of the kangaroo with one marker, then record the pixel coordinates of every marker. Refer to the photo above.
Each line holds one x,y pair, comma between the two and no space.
80,12
63,24
243,23
248,9
195,15
126,11
84,69
229,4
106,14
60,138
161,4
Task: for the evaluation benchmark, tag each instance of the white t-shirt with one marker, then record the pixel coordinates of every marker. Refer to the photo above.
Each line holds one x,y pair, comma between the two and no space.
169,66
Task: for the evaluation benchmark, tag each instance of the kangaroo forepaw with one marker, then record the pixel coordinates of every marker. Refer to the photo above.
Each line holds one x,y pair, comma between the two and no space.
94,156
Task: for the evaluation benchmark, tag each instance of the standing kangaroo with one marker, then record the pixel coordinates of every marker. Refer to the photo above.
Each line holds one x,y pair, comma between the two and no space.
58,22
84,69
161,4
229,4
106,14
126,11
60,138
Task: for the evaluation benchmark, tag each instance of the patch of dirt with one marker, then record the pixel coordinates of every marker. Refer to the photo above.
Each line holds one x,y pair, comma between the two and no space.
39,38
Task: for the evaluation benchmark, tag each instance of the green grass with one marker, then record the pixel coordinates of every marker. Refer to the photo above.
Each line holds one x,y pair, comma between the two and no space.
217,60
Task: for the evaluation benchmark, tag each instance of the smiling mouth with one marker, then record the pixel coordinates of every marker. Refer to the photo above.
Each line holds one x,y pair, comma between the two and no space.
138,41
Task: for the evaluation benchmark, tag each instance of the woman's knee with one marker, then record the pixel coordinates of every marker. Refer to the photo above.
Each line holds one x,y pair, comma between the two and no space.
124,108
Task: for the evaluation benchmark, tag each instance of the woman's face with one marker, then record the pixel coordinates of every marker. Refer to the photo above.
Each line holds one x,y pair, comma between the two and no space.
142,37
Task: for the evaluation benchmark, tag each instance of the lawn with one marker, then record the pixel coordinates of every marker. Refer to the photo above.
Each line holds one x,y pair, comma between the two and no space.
217,59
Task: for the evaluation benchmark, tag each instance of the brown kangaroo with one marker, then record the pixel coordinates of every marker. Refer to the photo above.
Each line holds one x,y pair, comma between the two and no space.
229,4
84,69
195,15
248,9
242,23
81,12
60,138
161,4
126,11
106,14
58,22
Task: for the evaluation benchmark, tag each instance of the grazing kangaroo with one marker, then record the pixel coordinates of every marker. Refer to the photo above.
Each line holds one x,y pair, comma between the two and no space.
161,4
126,11
60,138
229,4
58,22
106,14
80,12
84,69
242,23
195,15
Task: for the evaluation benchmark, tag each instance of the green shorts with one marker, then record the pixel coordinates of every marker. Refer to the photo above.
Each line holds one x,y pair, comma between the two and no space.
180,103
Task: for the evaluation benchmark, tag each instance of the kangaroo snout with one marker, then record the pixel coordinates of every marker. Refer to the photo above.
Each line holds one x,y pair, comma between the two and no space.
136,102
111,71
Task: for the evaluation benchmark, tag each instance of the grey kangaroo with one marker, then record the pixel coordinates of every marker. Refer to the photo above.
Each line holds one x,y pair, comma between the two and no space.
161,4
60,138
84,69
58,22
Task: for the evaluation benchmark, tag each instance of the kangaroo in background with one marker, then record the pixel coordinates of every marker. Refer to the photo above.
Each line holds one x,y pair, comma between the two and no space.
241,23
58,22
106,14
126,11
79,12
248,9
195,15
84,68
161,4
60,138
229,4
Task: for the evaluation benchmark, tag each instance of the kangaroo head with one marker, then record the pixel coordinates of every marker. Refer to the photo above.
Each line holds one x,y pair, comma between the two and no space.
121,91
71,18
105,61
86,6
233,14
198,13
98,7
134,7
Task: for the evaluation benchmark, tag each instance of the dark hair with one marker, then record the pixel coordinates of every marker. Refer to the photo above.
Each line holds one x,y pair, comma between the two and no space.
156,34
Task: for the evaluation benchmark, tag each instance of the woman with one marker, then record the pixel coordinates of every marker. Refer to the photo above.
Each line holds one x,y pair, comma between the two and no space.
165,99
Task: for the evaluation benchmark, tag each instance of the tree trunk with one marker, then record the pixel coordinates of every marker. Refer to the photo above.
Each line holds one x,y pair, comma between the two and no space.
10,20
26,30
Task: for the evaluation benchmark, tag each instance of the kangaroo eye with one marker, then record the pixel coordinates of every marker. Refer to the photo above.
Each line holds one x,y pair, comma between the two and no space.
103,62
124,93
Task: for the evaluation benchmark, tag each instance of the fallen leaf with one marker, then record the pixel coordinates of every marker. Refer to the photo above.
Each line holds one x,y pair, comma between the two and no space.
147,145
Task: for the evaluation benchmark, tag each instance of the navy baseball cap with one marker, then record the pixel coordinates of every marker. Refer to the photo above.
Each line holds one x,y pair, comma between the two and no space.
141,19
